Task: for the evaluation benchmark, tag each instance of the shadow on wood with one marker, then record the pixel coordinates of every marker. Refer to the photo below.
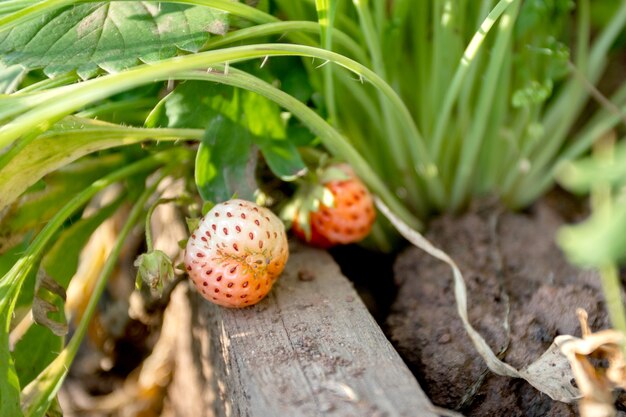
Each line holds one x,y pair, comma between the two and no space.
310,349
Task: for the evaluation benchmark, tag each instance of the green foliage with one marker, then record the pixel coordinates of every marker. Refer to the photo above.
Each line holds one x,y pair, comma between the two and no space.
112,36
600,240
237,123
66,142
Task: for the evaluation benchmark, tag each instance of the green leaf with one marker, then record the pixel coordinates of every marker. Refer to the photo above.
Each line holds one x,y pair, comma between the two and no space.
599,241
580,176
225,162
283,159
110,35
268,129
234,120
65,143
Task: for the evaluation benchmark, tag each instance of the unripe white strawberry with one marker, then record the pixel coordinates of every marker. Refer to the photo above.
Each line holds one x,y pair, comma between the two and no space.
236,254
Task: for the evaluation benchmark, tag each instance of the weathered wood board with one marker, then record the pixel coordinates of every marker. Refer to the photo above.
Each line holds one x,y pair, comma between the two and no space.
310,349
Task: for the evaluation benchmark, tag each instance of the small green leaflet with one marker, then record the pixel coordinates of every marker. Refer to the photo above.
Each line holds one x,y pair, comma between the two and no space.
110,35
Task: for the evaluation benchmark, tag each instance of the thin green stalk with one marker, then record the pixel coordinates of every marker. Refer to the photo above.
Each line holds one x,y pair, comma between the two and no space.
363,99
380,18
422,51
394,142
147,226
495,148
542,180
48,83
397,143
583,36
326,17
471,145
612,290
340,38
35,396
349,26
563,113
436,53
395,39
118,106
466,114
293,9
523,147
469,55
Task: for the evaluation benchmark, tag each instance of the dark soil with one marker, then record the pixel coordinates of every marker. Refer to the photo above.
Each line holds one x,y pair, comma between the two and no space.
508,260
371,273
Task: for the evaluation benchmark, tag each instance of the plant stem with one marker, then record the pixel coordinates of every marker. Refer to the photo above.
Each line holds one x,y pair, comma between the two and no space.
46,385
612,289
471,144
275,28
326,17
469,54
394,142
148,227
65,79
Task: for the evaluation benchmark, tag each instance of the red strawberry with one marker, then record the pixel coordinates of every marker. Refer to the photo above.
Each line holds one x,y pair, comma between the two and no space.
237,252
349,219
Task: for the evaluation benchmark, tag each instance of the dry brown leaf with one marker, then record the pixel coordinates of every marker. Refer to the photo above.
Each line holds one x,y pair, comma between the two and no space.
596,384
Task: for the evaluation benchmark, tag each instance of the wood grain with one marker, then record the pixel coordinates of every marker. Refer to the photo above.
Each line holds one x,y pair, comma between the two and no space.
310,349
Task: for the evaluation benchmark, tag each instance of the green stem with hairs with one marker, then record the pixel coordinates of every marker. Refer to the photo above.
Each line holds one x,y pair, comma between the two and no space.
276,28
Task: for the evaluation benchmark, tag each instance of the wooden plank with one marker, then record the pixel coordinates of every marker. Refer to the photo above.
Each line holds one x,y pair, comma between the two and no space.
310,349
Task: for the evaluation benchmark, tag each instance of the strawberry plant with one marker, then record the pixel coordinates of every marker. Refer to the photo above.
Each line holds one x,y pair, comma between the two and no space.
431,103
